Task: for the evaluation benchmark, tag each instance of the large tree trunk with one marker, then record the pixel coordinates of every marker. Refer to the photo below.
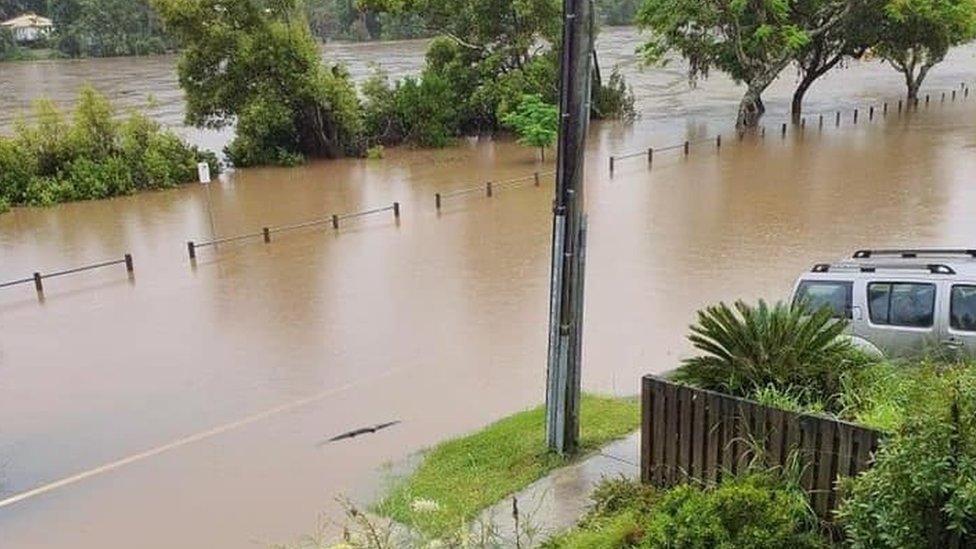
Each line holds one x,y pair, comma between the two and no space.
796,111
751,108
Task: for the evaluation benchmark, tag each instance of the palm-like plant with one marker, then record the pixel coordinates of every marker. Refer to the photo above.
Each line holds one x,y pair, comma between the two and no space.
748,347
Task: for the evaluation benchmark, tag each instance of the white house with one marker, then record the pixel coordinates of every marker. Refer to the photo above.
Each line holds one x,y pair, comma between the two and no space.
29,27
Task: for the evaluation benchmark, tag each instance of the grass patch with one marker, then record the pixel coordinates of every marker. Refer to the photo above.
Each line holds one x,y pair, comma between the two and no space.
466,475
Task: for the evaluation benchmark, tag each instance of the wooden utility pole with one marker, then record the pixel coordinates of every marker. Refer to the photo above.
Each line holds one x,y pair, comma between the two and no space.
569,231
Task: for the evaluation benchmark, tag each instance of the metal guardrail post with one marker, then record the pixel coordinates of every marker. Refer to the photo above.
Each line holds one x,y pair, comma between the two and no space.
953,95
718,141
488,191
837,123
335,221
871,113
611,165
191,248
821,121
687,148
267,235
38,283
396,210
855,116
437,201
900,105
783,131
536,176
129,267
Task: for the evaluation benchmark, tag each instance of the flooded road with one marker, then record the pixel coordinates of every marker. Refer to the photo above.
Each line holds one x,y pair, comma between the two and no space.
184,407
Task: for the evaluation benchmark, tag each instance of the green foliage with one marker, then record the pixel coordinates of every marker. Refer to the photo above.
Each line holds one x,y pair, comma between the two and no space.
460,477
791,399
535,122
104,28
750,512
258,64
93,156
614,99
921,490
753,511
8,47
346,20
417,112
750,41
915,35
748,347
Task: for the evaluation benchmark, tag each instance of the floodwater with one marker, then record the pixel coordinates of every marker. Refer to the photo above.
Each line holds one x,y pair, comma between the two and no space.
183,407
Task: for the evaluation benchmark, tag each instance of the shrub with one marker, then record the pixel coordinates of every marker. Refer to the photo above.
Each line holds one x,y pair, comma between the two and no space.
535,121
751,512
921,490
48,140
748,347
614,99
17,166
4,204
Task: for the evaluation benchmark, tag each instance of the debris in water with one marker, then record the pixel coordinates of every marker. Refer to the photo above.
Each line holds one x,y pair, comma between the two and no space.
357,432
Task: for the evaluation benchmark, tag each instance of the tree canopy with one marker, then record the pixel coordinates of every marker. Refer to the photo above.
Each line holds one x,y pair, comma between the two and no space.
535,122
254,62
751,41
915,35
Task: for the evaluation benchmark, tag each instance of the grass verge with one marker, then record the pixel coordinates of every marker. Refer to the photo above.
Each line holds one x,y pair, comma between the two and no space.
466,475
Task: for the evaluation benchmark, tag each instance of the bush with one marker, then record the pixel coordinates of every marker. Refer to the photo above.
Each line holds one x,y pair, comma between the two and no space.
614,99
93,156
750,512
535,121
921,490
753,511
748,347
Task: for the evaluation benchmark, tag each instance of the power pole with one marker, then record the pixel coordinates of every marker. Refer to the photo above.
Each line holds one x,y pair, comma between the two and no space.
569,232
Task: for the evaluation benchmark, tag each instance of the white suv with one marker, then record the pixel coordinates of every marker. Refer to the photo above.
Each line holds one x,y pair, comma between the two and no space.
900,302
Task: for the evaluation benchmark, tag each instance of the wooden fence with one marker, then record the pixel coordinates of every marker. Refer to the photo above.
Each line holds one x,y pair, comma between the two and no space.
692,434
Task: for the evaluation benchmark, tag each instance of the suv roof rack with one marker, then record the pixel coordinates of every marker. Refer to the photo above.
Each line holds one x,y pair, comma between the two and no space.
934,268
914,253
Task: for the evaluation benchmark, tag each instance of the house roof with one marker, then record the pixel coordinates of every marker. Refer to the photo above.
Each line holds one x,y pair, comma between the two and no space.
28,20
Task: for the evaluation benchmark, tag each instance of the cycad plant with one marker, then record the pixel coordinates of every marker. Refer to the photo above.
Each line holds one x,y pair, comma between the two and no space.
747,347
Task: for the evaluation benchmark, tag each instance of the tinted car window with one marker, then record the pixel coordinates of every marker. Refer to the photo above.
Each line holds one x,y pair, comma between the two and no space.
817,294
963,308
902,304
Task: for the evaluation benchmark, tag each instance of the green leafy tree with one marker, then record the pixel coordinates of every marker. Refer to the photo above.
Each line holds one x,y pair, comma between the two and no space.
854,33
917,34
750,41
256,64
617,12
535,122
12,8
8,46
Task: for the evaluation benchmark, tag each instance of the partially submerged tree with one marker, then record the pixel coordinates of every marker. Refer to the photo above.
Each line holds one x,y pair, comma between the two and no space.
535,122
917,34
255,63
849,37
751,41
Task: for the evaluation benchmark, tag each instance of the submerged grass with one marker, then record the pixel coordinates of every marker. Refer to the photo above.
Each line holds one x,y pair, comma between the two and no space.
459,478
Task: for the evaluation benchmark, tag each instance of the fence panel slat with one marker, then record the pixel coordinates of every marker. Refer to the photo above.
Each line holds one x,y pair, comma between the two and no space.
699,434
845,435
659,433
743,433
684,433
728,436
825,466
713,423
808,444
647,425
671,434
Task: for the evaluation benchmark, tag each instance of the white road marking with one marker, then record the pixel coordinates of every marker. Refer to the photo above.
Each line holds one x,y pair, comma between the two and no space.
108,467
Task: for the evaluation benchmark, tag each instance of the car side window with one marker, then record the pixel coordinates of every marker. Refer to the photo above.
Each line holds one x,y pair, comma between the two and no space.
963,308
906,304
836,295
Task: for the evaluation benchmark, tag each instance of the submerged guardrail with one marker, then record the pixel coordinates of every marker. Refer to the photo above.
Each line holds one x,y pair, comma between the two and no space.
801,123
489,187
266,232
39,278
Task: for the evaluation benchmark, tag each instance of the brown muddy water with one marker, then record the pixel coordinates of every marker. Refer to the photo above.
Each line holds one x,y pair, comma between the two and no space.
184,407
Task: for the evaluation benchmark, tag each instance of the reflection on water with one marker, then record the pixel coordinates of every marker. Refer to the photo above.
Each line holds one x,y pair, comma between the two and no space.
438,321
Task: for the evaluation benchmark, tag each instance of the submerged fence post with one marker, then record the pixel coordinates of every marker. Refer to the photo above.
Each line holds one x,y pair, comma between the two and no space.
396,210
837,123
855,116
821,122
611,165
953,95
192,249
803,123
783,132
871,113
488,191
267,235
437,200
900,105
927,100
129,267
718,141
536,176
885,108
650,155
335,221
687,148
763,132
943,97
38,284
